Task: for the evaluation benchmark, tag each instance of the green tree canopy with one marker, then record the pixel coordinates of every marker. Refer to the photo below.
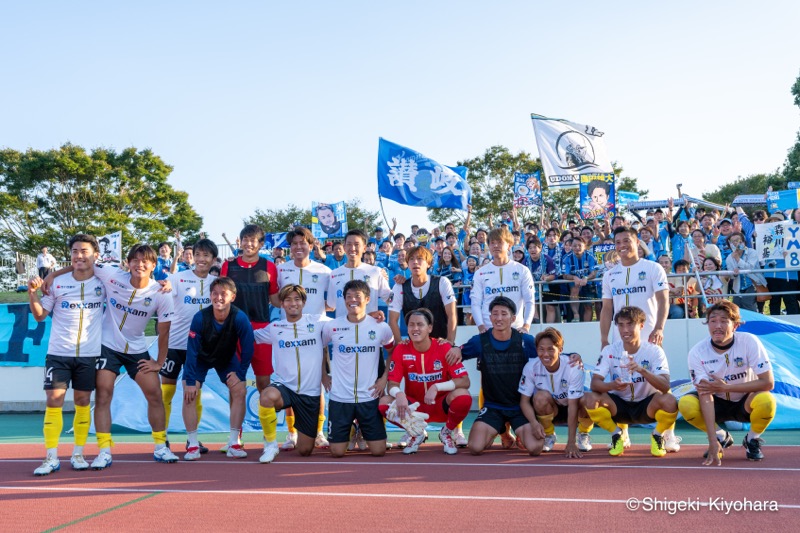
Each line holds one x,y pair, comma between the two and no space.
791,169
48,196
283,219
755,184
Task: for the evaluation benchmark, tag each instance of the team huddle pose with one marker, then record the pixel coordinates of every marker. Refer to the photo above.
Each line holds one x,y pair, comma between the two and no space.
528,384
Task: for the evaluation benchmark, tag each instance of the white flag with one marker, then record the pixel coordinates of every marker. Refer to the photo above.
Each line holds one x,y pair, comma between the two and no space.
110,247
568,150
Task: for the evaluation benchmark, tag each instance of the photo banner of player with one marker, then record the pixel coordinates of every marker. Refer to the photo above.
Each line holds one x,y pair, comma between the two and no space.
527,189
568,149
110,247
776,238
409,178
626,197
328,220
597,196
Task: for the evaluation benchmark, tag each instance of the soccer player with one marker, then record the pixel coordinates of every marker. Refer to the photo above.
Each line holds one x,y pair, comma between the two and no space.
214,335
356,384
314,278
441,389
551,392
298,358
191,292
627,398
733,376
76,303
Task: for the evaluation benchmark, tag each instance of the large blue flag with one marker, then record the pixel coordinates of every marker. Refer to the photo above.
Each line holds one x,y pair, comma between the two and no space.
408,177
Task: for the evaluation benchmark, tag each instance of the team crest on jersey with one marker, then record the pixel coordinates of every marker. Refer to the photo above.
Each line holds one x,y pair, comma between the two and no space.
642,276
314,278
646,365
739,362
98,291
372,335
366,279
148,301
563,383
391,366
310,328
437,365
515,276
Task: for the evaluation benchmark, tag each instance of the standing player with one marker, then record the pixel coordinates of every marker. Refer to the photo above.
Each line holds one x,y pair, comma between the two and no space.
299,362
76,302
314,278
441,389
733,376
356,383
629,399
214,335
191,292
355,242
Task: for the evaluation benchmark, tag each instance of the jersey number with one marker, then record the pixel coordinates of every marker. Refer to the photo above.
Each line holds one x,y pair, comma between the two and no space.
48,375
168,366
101,363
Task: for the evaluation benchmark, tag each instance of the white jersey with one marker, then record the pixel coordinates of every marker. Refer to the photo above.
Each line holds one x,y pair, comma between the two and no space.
76,325
128,309
190,294
297,352
564,384
636,286
649,356
378,286
512,280
354,356
445,291
314,278
742,363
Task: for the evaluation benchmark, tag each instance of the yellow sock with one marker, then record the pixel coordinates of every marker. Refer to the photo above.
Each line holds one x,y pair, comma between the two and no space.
290,423
460,427
585,425
159,437
480,398
547,423
763,412
167,393
53,424
665,421
689,407
602,417
269,422
198,406
81,423
320,423
104,440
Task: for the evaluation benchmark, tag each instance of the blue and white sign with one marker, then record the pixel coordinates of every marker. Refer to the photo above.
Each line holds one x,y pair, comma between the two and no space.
328,220
527,189
626,197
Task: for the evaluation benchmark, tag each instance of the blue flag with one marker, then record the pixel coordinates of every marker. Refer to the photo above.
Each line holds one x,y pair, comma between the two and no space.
408,177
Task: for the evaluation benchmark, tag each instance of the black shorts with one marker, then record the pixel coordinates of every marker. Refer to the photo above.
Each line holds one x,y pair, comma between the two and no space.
562,414
222,369
306,409
548,296
113,360
497,418
60,371
341,416
727,410
174,363
632,412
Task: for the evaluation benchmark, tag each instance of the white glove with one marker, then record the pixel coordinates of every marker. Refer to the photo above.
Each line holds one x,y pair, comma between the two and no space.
414,423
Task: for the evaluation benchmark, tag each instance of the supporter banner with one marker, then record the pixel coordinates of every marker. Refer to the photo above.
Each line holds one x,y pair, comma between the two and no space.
600,250
23,341
749,199
653,204
597,195
778,238
408,177
328,220
568,150
793,185
626,197
274,240
527,189
783,200
110,247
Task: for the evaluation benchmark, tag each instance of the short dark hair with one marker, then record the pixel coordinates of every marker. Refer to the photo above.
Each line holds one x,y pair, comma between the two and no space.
206,245
162,243
146,250
503,301
300,231
423,312
629,312
598,184
224,283
252,230
357,233
356,285
625,229
82,237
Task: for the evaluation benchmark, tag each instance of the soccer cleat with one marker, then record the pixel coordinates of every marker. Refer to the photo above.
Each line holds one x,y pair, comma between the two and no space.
49,465
361,442
549,442
626,440
165,455
752,448
404,440
321,441
102,461
726,442
657,446
271,451
236,451
290,443
584,442
353,444
224,448
617,445
203,449
672,442
506,440
446,438
78,462
192,454
459,438
415,443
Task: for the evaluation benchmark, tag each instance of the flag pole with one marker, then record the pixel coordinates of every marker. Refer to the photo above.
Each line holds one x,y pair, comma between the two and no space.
380,201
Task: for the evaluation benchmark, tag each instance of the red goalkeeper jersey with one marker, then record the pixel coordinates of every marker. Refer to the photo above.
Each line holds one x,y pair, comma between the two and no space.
422,369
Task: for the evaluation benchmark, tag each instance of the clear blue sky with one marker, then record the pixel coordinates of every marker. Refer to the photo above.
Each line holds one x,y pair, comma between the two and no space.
262,104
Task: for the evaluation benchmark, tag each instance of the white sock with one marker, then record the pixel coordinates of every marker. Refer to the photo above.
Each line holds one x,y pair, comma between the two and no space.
191,436
234,437
107,450
752,435
52,452
720,434
77,450
617,431
159,446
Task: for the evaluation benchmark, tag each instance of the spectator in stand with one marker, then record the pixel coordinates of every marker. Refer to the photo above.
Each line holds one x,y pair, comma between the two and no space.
45,263
713,285
743,258
448,266
399,271
163,262
467,275
542,270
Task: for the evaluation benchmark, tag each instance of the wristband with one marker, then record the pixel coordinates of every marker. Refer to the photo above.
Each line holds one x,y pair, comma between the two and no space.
446,386
394,391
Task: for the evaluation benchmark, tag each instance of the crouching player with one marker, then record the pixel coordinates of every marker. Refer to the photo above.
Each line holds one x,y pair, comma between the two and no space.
551,392
442,390
733,376
627,398
214,335
298,368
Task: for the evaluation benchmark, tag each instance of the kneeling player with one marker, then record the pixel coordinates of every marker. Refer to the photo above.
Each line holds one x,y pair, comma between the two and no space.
213,338
732,374
558,391
441,389
298,368
629,398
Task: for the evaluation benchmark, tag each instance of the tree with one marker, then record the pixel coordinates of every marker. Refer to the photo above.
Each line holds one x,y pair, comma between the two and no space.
280,220
755,184
791,169
47,196
627,183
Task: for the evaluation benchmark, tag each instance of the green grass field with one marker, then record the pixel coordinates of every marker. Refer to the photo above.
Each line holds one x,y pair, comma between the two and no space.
11,297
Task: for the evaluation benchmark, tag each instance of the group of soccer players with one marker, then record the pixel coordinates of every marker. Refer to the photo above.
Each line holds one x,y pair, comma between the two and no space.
99,314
